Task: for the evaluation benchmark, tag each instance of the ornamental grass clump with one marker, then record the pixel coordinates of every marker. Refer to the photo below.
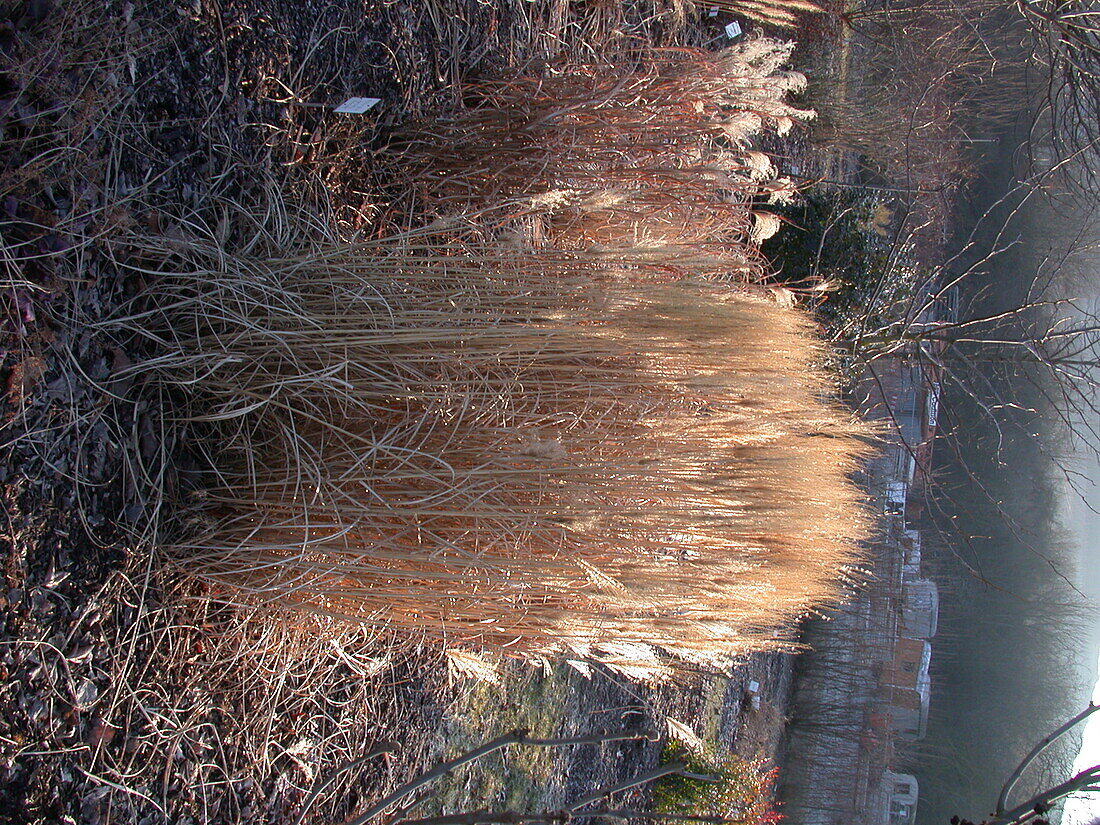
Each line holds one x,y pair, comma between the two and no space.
782,14
436,436
651,156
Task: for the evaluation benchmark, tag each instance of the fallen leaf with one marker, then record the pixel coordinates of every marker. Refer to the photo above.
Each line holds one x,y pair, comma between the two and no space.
101,733
86,694
23,378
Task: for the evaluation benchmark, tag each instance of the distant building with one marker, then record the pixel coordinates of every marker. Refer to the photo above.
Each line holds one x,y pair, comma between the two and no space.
907,688
895,799
910,555
902,791
932,409
911,404
920,609
896,494
911,657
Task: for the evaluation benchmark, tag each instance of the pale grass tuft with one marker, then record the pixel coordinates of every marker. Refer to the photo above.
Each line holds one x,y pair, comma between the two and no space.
781,191
783,14
466,664
552,200
783,125
794,83
601,201
534,447
759,166
764,225
783,296
637,661
582,667
685,736
742,127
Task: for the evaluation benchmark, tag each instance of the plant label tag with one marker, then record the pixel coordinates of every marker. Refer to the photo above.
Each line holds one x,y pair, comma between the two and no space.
713,11
733,30
357,105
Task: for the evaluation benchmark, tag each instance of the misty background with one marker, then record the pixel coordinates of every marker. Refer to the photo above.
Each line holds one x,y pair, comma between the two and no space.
1011,529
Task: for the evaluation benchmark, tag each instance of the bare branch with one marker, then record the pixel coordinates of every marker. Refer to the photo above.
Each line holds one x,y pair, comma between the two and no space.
519,736
1042,745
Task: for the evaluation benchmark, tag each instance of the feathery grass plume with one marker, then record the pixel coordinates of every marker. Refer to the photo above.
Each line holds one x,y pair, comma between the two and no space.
653,155
436,436
764,225
781,14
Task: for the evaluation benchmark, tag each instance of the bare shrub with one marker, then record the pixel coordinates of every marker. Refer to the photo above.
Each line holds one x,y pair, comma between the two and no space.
933,76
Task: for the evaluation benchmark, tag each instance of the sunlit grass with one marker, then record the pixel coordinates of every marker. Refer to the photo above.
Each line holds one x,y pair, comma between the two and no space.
439,437
591,440
782,14
617,156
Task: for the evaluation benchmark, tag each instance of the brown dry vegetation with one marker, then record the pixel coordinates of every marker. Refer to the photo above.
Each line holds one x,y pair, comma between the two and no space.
781,14
516,449
152,144
632,158
927,77
461,444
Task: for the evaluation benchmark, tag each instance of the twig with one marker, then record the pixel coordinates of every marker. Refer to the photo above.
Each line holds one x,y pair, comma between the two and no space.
661,816
116,786
515,737
1006,789
656,773
517,818
377,750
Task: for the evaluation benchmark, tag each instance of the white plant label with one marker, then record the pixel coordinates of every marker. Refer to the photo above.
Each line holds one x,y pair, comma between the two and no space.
733,30
358,105
713,11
